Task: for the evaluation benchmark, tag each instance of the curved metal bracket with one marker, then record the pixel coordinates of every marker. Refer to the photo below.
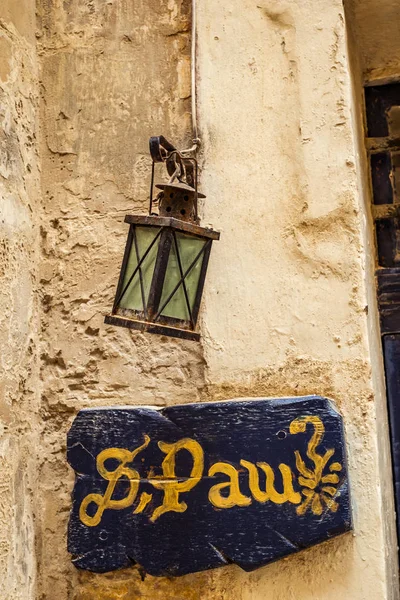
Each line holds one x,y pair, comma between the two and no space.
161,150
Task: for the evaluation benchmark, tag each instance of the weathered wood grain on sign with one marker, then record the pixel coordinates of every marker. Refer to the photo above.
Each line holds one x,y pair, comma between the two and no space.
198,486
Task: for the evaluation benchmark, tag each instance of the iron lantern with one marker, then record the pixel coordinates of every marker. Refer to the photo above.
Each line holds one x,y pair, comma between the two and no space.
166,255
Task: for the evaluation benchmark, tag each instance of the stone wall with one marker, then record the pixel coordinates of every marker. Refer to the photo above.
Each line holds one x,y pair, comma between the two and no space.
19,233
289,301
376,29
113,74
287,306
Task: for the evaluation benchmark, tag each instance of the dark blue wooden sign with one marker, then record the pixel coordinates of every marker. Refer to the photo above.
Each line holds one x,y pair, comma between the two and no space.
194,487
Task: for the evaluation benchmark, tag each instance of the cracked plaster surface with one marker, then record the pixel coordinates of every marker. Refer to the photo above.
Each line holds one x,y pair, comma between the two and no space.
19,394
284,310
112,74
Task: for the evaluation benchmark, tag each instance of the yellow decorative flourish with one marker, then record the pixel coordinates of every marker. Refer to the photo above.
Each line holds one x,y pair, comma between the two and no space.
319,489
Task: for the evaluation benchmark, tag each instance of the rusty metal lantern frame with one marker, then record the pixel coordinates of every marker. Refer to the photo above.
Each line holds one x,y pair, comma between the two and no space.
175,227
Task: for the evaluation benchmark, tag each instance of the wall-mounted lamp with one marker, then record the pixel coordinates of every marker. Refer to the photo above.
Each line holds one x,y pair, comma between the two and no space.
166,254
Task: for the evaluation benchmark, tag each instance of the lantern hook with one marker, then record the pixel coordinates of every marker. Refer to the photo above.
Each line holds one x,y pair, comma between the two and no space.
182,168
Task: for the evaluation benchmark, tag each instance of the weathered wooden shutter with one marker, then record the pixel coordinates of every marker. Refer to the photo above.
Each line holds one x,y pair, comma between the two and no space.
383,143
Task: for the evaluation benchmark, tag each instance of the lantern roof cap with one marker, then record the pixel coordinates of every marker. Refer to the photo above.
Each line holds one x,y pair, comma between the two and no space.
180,186
156,221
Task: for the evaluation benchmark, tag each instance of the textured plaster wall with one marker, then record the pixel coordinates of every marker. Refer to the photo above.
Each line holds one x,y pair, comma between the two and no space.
112,74
376,29
285,301
18,307
374,52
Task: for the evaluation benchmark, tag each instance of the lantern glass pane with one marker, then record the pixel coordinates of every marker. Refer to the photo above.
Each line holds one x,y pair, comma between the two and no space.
189,248
132,299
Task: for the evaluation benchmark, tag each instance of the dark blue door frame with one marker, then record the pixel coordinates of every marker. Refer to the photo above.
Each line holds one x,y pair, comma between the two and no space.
382,103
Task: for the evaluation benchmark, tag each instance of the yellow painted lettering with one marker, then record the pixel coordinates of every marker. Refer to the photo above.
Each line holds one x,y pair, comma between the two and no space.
254,482
103,502
145,498
288,495
170,484
270,493
235,496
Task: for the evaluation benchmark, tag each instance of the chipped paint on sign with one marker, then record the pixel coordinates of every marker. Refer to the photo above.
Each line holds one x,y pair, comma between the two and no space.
178,504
